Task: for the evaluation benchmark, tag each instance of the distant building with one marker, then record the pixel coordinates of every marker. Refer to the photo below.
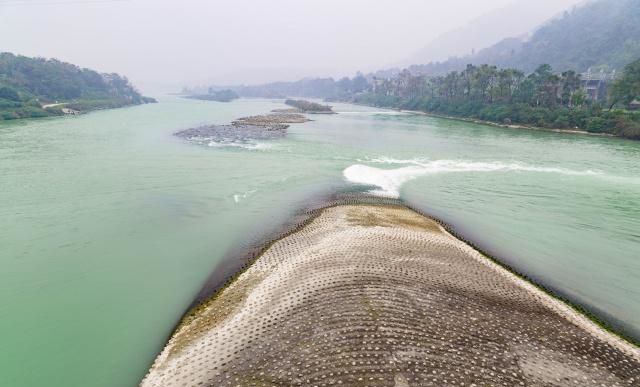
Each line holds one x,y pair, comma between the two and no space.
596,85
634,105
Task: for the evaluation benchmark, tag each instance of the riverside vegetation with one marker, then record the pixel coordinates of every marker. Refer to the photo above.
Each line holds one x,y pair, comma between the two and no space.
597,35
542,98
38,87
225,95
309,107
493,84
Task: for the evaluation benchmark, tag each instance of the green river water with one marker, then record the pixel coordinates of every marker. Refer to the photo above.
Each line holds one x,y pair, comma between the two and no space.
109,224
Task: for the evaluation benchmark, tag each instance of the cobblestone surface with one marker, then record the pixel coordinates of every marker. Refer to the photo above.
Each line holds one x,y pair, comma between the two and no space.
378,295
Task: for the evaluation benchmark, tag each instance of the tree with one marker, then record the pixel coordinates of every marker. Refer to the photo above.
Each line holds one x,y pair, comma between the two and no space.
359,83
344,84
570,84
9,93
627,88
27,82
579,98
542,79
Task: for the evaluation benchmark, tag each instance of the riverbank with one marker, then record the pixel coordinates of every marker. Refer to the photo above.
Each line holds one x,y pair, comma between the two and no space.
365,294
508,126
68,108
490,123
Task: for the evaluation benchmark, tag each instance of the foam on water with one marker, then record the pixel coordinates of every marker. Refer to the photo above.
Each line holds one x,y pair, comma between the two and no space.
243,145
239,197
390,181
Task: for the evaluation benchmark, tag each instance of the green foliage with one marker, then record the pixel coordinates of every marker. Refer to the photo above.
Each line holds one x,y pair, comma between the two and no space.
542,99
7,103
314,87
97,104
325,88
487,85
33,82
9,93
627,125
627,89
226,95
22,111
602,34
596,125
307,106
389,101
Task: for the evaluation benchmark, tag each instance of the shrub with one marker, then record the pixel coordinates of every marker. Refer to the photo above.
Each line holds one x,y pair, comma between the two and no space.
562,121
9,93
596,125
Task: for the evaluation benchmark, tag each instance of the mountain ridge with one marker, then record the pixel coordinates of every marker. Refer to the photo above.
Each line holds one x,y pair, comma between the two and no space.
517,19
602,34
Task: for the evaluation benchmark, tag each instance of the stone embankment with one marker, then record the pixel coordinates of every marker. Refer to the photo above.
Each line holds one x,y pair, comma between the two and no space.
379,295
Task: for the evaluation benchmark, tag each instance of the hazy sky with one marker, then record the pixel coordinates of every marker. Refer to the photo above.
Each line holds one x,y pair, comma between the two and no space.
162,44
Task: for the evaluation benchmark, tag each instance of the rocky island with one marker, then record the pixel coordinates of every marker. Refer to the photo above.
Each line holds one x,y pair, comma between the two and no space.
376,294
244,130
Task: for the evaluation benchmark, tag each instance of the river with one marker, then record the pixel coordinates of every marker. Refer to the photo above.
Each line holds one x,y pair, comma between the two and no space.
109,224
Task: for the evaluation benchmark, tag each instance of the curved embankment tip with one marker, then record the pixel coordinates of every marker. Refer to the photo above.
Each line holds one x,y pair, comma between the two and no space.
379,295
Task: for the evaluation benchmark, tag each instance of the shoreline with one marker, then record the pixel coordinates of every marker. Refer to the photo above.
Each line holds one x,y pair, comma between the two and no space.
240,258
603,319
212,291
506,126
561,306
76,113
491,123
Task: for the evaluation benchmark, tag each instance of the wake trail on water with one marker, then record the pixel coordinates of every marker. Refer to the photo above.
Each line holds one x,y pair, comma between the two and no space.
389,181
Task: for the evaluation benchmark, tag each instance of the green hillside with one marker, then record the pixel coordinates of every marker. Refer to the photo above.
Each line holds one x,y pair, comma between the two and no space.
603,34
28,85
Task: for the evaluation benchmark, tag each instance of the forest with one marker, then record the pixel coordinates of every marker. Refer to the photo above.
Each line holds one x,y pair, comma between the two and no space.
541,99
600,35
327,88
29,85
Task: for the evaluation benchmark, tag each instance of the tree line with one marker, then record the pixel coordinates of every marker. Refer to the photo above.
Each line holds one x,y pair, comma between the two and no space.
488,84
28,83
541,98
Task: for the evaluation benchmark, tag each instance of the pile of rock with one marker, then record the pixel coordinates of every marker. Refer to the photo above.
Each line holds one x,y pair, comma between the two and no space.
274,121
244,130
232,133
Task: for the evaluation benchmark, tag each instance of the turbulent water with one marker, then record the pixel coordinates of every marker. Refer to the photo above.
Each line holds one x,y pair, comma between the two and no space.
109,224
